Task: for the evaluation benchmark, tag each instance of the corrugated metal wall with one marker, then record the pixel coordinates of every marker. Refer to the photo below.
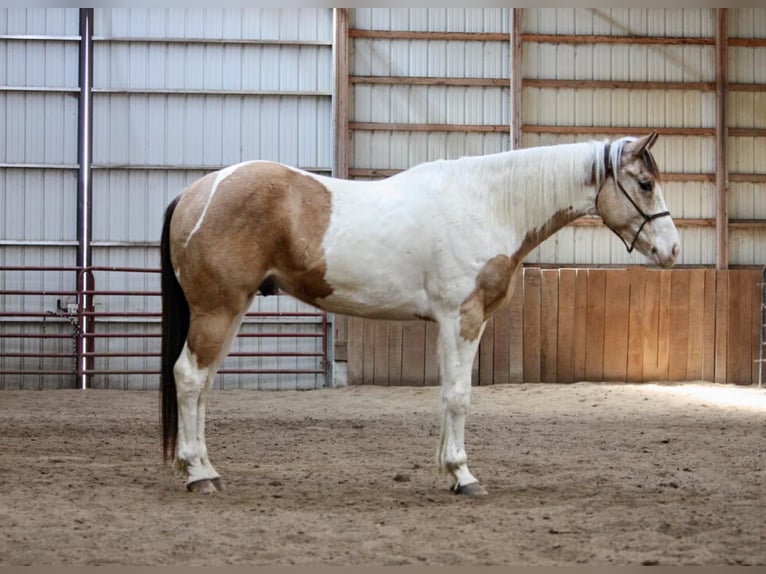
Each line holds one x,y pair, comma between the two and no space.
375,147
747,153
38,177
177,93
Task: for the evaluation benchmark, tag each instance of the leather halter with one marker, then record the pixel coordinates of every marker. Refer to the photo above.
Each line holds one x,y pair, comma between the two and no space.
609,171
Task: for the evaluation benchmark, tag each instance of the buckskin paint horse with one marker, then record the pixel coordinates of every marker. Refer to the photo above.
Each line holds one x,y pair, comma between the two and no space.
440,242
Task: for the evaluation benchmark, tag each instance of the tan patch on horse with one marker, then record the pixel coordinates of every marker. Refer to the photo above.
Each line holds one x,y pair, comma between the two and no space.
263,217
491,291
493,284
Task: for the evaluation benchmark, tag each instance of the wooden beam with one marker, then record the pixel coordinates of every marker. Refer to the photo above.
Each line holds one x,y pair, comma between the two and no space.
517,75
604,39
402,127
341,93
419,35
721,133
617,130
427,81
617,85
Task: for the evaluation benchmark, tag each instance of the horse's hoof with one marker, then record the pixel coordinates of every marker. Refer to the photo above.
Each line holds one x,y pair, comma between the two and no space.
472,489
218,483
204,486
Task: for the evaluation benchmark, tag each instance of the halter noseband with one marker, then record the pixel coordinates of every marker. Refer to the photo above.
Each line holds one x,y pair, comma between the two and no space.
647,218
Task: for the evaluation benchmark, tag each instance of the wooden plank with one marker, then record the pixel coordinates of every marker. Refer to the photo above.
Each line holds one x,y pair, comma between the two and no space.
694,350
594,351
721,138
616,39
380,352
517,77
678,343
635,369
355,351
516,330
341,96
395,353
340,326
663,332
532,296
581,323
616,325
486,354
740,326
733,333
650,325
435,81
413,353
501,361
755,314
721,324
431,367
368,372
549,314
709,327
566,334
428,35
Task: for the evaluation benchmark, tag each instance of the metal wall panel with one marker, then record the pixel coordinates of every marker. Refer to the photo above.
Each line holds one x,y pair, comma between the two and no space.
181,92
747,154
633,109
177,93
38,158
418,104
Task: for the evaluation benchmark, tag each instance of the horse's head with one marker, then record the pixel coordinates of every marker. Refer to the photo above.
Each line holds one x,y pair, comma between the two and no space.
630,202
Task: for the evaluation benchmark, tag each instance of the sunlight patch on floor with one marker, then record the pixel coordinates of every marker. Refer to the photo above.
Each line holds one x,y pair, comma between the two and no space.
731,396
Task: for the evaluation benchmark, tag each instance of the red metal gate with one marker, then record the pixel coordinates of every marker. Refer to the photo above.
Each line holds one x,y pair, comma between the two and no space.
74,338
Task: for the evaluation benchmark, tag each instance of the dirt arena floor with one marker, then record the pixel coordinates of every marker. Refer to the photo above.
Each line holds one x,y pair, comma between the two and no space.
577,474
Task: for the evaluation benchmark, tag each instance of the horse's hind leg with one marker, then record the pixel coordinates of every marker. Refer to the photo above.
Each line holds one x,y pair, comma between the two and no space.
210,336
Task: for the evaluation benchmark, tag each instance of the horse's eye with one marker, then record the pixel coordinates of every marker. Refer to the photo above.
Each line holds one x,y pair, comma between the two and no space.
646,185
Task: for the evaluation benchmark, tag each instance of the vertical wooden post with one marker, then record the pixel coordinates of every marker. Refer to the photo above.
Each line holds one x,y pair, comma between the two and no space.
340,323
341,91
721,129
516,77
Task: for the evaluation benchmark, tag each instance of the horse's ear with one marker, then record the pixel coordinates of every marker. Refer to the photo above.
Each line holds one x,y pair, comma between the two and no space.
639,146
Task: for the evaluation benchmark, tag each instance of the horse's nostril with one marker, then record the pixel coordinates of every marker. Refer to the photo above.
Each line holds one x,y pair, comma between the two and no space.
654,251
676,250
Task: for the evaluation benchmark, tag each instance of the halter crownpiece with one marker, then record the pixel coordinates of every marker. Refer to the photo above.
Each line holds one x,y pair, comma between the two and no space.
609,171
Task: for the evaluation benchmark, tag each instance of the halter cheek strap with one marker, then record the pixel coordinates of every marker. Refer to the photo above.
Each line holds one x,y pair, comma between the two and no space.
608,171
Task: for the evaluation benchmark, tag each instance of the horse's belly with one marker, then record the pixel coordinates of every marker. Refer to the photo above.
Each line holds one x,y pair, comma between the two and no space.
376,301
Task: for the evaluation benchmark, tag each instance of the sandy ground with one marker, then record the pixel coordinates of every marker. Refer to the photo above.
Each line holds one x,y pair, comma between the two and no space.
577,474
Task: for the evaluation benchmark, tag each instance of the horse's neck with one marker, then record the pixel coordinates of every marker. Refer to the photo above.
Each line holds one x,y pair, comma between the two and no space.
536,192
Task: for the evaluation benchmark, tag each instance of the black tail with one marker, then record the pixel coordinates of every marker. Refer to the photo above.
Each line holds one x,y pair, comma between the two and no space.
175,327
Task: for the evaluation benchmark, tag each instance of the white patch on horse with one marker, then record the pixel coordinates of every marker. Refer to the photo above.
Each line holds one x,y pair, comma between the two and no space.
220,176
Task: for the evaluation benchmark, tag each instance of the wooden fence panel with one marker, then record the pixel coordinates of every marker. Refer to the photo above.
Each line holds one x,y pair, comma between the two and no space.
616,325
594,351
516,334
637,280
566,326
532,297
569,325
549,311
581,327
695,325
678,341
721,324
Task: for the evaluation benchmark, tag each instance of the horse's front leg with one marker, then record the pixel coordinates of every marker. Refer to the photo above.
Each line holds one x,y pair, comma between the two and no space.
456,356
